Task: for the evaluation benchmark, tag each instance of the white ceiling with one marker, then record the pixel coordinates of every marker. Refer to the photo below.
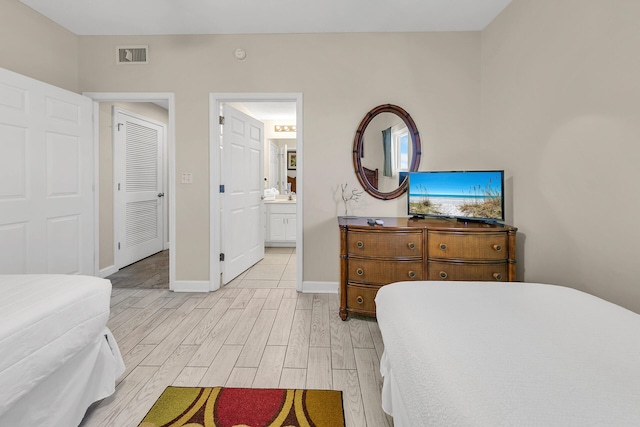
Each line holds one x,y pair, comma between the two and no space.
137,17
285,111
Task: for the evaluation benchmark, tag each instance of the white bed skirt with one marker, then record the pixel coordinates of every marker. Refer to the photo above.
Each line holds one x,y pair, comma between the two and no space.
62,399
392,402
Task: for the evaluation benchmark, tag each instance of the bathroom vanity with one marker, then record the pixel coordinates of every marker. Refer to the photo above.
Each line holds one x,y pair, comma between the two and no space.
280,223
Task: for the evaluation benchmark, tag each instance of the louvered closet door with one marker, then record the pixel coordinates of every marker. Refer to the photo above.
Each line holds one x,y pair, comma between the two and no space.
139,142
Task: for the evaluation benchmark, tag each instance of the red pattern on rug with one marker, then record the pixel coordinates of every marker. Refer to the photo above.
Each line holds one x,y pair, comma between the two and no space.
246,407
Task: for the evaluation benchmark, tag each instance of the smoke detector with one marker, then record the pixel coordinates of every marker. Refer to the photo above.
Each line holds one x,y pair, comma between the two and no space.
240,54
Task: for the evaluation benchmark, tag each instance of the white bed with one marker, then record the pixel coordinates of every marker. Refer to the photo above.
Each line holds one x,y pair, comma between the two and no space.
56,354
507,354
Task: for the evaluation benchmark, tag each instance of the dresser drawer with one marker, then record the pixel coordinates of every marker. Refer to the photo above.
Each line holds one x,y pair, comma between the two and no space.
494,272
416,249
389,244
362,298
383,272
467,245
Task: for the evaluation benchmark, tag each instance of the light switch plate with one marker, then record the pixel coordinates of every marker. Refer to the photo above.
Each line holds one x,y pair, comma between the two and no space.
187,178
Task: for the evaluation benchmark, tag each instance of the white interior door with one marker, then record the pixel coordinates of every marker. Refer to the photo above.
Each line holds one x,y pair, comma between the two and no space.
242,228
46,178
139,204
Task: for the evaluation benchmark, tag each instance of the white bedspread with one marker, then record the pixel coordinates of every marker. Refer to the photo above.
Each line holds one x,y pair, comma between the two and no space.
507,354
45,320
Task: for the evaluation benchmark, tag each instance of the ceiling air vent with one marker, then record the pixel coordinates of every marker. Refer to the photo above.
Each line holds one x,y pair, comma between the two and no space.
133,54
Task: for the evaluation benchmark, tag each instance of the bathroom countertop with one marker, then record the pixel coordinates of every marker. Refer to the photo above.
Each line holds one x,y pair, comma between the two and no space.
281,201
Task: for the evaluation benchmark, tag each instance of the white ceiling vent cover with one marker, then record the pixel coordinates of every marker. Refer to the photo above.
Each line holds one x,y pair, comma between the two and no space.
132,54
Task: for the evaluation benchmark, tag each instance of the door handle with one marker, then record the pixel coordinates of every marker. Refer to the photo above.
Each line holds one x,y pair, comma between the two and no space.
160,194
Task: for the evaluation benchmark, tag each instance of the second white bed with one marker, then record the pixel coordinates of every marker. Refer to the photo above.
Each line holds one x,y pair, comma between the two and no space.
496,354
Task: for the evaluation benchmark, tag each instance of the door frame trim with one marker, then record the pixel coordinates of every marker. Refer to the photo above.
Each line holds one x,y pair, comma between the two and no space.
215,219
164,97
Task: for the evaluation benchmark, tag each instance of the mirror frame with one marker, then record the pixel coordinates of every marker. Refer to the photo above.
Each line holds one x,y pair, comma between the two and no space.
358,145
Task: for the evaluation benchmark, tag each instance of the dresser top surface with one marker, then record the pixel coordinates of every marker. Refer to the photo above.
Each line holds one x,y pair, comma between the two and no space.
430,223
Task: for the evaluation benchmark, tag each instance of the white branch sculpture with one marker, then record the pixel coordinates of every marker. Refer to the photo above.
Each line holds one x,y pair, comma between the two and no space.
347,197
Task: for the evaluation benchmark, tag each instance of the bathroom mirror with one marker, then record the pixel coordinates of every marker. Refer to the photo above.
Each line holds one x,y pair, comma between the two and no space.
386,147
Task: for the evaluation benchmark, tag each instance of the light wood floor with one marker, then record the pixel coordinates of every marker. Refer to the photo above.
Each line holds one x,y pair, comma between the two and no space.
276,269
244,335
148,273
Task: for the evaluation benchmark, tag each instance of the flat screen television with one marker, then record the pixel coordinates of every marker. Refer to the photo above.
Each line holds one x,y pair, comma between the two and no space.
465,195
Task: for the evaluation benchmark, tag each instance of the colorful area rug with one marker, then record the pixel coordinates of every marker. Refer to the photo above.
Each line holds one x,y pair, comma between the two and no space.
245,407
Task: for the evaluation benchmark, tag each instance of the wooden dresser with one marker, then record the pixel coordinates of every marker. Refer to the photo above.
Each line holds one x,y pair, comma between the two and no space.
418,249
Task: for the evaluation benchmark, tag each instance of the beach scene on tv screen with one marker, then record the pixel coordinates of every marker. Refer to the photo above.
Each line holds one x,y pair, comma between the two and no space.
456,194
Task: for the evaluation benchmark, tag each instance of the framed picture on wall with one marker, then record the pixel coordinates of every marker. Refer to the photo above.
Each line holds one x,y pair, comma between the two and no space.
291,160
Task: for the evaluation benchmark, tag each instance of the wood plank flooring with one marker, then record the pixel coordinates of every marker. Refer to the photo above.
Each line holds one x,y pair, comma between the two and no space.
151,272
244,335
276,269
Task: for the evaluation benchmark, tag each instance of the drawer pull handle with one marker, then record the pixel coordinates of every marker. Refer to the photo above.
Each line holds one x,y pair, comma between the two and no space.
443,274
412,245
497,276
360,299
360,271
360,244
443,246
412,274
497,247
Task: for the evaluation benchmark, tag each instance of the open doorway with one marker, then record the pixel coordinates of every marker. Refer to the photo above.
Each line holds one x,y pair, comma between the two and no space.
108,260
259,106
264,257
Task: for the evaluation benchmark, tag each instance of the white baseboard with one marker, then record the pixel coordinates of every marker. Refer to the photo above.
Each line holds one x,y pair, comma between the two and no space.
191,286
319,287
107,271
279,244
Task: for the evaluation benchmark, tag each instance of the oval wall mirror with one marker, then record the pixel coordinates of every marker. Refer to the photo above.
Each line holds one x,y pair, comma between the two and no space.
386,147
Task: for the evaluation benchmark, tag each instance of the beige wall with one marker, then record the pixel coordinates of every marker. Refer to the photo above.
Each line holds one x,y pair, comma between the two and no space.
106,182
434,76
561,109
548,92
34,46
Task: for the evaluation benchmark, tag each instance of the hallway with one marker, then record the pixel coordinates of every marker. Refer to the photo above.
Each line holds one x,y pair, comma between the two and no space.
276,270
